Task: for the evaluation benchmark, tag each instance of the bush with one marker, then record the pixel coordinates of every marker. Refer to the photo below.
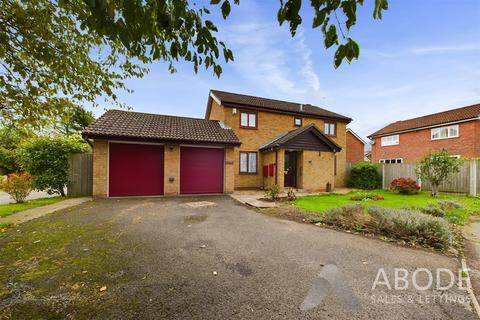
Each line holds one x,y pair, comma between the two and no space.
405,224
47,160
412,225
365,196
404,186
348,217
272,192
18,186
449,204
291,194
365,175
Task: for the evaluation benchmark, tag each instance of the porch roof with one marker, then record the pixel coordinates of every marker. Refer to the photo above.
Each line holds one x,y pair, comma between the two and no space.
305,138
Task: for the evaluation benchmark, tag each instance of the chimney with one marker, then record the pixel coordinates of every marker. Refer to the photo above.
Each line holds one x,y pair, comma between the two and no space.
301,106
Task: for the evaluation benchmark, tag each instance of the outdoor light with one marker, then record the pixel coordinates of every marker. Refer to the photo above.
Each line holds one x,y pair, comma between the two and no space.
234,111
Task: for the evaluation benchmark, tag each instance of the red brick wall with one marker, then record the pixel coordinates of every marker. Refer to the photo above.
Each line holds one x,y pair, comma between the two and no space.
416,144
355,149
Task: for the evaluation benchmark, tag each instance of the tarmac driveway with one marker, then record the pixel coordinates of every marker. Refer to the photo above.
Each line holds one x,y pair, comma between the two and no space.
229,262
161,259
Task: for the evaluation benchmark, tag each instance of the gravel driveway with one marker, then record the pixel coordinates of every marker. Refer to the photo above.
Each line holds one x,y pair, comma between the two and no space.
229,262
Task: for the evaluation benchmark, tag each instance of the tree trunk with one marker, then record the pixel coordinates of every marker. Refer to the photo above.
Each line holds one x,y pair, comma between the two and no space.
62,193
434,191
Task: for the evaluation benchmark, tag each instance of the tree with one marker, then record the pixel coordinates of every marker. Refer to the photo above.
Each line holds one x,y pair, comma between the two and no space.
75,120
10,137
83,50
47,160
436,168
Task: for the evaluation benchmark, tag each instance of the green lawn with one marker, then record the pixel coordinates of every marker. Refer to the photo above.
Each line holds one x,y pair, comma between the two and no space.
321,203
11,208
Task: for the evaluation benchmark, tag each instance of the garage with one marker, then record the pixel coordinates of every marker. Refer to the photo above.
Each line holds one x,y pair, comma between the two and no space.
201,170
135,169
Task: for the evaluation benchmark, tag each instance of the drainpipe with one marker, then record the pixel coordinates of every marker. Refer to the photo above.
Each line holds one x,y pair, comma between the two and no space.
276,166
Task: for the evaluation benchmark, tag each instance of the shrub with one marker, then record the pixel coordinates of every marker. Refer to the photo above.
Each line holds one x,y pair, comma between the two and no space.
18,186
272,192
433,210
412,225
364,175
348,217
365,196
291,194
47,160
404,186
449,204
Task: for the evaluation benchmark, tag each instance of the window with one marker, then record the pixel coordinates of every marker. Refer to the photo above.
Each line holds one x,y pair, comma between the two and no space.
445,132
390,140
394,160
248,120
298,122
330,128
248,162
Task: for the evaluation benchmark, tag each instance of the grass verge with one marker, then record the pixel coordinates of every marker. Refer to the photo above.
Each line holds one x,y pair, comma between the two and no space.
11,208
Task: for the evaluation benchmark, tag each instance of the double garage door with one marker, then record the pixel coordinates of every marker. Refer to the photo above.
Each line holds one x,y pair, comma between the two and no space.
138,170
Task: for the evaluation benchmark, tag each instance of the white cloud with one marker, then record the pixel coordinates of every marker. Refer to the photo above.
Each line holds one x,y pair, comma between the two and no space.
427,50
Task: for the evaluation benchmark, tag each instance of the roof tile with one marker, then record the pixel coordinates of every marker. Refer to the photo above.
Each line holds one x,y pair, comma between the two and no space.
465,113
270,104
127,124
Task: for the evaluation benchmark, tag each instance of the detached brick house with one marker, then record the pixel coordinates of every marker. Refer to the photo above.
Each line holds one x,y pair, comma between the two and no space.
244,142
457,131
355,147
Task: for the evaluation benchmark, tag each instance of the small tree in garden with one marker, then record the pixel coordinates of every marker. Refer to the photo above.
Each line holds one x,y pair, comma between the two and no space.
364,175
18,186
47,160
436,168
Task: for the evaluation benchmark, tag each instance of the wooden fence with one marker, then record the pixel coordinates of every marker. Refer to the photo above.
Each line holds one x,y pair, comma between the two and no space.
467,180
80,174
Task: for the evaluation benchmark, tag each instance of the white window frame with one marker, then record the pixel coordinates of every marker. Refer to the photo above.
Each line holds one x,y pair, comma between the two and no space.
396,160
249,165
434,131
328,127
390,140
251,119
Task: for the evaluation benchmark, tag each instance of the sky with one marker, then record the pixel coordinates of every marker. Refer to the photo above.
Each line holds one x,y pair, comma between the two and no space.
421,58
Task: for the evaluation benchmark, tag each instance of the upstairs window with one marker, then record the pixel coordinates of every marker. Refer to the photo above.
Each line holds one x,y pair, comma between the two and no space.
248,120
445,132
390,140
330,129
298,122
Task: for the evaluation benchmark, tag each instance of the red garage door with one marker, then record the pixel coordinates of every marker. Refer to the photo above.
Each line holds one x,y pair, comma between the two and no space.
201,170
135,169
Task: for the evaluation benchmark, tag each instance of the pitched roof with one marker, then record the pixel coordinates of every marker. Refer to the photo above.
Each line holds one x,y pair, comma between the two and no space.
156,127
356,135
275,105
459,114
288,136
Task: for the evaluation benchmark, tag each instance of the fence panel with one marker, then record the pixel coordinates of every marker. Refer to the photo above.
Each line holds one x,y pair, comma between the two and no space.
80,174
459,182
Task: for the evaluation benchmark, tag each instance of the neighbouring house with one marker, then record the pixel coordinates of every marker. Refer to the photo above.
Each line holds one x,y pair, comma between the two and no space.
355,147
244,142
457,131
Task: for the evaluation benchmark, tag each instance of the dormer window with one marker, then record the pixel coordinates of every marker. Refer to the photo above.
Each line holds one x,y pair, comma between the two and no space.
298,122
248,120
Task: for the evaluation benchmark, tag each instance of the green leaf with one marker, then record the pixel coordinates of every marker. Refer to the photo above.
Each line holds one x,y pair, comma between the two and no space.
226,9
331,36
214,2
339,55
319,18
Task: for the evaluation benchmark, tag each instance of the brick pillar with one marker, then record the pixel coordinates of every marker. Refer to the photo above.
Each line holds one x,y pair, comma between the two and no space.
229,179
171,173
100,168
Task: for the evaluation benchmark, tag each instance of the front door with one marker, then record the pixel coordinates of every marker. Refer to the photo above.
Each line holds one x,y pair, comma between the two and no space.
290,167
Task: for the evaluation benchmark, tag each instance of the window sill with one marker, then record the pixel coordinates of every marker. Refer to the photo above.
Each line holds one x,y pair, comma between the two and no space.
431,139
248,173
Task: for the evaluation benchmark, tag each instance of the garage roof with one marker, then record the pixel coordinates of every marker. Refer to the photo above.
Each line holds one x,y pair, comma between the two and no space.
127,125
